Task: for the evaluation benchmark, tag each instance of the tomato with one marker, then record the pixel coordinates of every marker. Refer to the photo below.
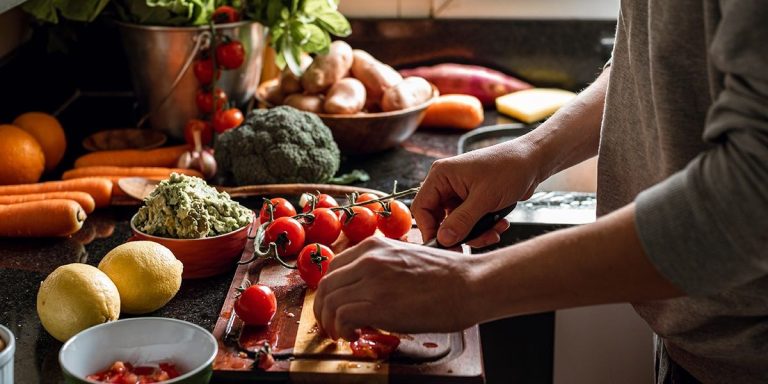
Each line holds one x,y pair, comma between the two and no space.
280,208
287,233
204,100
228,119
313,263
321,201
225,14
230,54
375,207
203,69
324,229
120,372
397,222
361,225
206,132
374,345
256,305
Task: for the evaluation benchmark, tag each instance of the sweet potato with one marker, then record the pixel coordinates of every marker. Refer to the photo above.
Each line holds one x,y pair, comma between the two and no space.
408,93
47,218
327,69
309,103
376,76
454,111
484,83
346,97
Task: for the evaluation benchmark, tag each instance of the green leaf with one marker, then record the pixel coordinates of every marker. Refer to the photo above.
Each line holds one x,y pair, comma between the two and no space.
80,10
314,7
357,175
317,39
335,23
42,10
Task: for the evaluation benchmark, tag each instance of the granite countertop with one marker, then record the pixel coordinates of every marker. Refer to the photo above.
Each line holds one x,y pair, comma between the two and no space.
26,262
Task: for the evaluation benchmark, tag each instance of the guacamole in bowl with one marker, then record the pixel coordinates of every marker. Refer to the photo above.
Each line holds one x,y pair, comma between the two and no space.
185,207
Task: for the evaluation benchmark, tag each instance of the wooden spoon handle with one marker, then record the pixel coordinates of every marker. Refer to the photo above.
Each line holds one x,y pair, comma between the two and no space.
295,189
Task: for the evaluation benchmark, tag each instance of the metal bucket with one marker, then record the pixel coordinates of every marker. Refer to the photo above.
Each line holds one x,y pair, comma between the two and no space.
160,59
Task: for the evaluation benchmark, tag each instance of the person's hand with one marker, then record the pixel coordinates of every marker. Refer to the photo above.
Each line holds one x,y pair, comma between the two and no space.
470,185
396,286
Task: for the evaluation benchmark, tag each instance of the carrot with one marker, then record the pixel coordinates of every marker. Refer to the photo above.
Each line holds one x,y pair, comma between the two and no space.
160,157
47,218
85,200
112,171
100,189
114,174
454,111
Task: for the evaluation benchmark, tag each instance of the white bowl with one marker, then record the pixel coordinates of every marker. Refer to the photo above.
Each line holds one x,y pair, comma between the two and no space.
6,355
139,341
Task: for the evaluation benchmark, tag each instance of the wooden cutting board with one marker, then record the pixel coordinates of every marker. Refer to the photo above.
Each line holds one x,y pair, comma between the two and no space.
303,354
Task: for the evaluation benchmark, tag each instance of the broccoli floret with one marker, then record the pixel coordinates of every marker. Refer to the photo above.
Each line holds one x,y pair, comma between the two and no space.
278,145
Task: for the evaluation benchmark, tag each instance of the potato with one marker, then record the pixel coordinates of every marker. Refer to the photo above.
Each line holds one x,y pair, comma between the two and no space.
346,97
375,75
290,83
272,93
409,93
309,103
327,69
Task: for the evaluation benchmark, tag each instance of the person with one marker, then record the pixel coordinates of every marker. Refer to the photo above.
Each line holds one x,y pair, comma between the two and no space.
679,118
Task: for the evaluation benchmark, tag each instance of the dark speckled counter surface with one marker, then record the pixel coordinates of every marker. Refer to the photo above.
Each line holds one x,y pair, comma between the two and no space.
25,263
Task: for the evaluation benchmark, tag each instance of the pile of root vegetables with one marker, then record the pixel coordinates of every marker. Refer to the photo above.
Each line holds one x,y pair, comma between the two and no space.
346,81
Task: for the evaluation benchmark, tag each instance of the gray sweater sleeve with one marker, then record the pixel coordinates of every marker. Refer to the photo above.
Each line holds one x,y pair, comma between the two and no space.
706,227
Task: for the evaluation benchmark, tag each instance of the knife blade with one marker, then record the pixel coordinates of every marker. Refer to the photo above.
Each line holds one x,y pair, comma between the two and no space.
483,225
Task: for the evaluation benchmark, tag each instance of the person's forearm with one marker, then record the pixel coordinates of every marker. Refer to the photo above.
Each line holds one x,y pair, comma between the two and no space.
572,134
597,263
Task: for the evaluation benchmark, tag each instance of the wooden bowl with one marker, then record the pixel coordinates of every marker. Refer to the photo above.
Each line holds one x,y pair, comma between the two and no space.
365,133
130,138
204,257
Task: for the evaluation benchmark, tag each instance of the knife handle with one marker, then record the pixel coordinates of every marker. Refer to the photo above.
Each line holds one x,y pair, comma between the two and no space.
483,225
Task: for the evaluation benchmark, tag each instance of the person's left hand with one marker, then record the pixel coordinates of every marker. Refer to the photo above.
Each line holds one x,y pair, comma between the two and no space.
396,286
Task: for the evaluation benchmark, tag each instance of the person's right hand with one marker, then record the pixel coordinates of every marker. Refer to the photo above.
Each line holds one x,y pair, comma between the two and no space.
470,185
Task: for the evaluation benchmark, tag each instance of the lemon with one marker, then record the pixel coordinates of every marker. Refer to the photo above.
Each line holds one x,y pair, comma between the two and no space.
75,297
146,273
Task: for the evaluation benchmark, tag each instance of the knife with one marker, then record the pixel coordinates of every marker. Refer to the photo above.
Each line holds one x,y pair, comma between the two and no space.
483,225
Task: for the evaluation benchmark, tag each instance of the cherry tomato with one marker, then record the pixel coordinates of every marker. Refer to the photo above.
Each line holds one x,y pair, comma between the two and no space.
203,69
361,225
287,233
397,222
324,229
228,119
256,305
204,100
374,345
313,263
322,201
280,208
206,132
225,14
230,54
375,207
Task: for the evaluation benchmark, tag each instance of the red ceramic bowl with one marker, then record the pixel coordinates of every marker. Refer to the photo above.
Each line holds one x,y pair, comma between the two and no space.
204,257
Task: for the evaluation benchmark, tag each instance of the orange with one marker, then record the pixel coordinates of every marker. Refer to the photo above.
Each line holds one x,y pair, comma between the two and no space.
21,157
48,132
